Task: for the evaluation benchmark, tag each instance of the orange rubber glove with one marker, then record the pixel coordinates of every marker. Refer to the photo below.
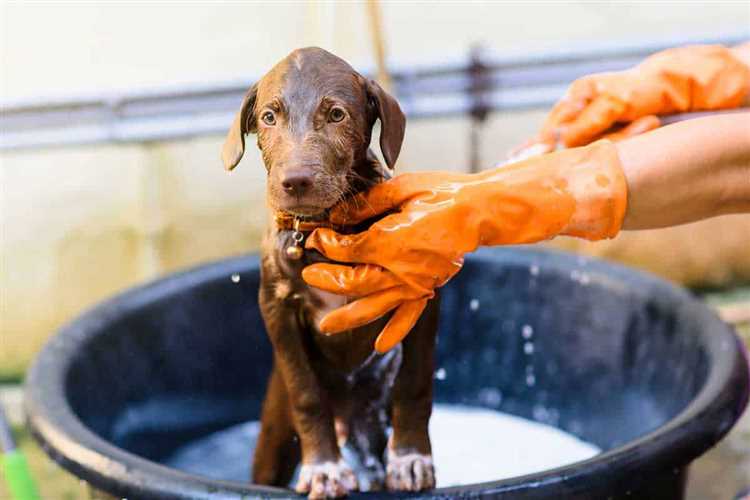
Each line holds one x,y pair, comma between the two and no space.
440,216
697,78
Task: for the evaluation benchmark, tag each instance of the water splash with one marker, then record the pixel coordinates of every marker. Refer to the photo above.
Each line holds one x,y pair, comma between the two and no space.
462,457
527,331
549,416
491,397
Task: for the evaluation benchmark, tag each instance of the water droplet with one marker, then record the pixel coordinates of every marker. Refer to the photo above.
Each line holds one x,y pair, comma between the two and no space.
440,374
553,417
540,413
474,304
490,396
528,348
534,270
527,332
585,280
235,278
530,380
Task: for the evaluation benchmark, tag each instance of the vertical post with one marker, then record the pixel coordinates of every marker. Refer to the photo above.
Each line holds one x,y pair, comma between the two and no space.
478,85
320,25
153,219
378,43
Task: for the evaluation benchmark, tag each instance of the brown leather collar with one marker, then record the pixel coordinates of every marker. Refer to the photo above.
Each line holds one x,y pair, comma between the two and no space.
287,221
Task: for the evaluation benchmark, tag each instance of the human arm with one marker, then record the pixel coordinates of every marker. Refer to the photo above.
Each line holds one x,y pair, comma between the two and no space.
679,80
680,173
687,171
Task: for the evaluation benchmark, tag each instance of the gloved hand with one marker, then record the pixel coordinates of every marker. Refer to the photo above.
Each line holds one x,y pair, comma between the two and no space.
440,216
676,80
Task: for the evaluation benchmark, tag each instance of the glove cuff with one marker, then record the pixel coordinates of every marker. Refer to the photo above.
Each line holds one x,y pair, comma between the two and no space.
597,183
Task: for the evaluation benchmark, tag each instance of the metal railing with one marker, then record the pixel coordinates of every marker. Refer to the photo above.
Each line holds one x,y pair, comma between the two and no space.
476,85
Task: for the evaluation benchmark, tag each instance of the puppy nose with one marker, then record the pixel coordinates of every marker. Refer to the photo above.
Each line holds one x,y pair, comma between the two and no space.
296,182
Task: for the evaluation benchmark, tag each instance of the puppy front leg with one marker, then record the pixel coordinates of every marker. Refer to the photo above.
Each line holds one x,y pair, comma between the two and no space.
323,474
277,451
409,453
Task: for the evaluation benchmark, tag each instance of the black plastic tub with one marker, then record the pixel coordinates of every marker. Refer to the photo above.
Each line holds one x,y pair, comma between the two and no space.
634,365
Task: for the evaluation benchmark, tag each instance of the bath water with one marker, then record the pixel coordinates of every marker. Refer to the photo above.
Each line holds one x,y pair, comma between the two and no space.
469,444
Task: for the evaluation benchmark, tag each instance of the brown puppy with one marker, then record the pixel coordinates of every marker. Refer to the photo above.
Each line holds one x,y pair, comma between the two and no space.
313,115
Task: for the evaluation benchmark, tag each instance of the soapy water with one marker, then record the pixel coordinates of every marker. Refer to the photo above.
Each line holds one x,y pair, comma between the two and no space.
469,444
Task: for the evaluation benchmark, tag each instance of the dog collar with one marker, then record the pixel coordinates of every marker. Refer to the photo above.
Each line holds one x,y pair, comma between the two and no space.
289,222
300,225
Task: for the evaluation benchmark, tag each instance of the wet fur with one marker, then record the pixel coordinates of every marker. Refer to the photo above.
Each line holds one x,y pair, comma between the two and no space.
326,392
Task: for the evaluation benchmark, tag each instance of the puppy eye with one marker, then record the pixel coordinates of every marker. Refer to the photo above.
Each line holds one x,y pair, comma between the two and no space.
268,118
336,115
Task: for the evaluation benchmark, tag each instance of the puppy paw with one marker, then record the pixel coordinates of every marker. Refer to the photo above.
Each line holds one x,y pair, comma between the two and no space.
326,480
409,472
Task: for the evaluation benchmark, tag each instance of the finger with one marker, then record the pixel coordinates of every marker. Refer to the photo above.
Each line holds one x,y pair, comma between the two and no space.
567,109
599,116
637,127
340,247
375,201
352,281
365,310
400,324
388,195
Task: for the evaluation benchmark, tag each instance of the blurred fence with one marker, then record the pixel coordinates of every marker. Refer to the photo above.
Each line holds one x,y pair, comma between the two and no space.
476,85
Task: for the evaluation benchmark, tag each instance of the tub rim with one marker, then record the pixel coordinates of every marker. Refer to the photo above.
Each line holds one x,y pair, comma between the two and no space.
75,447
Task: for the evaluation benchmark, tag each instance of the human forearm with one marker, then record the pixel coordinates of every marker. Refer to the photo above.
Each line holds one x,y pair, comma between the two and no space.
687,171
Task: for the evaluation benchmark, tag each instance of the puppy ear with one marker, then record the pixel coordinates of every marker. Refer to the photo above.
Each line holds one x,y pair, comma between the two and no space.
244,123
392,121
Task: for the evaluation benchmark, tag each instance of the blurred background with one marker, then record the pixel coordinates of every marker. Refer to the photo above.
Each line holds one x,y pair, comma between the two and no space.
113,115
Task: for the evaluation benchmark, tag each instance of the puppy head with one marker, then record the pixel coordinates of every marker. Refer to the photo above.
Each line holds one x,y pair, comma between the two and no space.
313,115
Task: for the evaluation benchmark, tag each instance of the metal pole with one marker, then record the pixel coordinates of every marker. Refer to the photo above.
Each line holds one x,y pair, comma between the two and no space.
378,43
479,107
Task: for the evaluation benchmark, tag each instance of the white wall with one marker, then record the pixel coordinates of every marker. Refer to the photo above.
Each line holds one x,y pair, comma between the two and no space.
68,47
